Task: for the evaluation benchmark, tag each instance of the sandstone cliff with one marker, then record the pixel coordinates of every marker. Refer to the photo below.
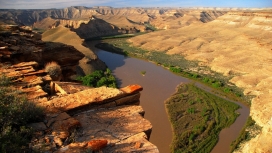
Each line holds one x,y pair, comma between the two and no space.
237,44
78,118
64,35
19,45
127,20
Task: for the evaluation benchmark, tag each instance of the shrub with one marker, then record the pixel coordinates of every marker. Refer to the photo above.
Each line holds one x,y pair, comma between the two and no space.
217,84
175,69
99,78
238,94
206,79
126,53
15,113
4,81
227,90
195,75
54,70
143,72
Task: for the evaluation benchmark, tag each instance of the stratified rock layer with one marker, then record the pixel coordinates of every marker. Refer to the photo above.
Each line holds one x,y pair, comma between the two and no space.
72,110
237,44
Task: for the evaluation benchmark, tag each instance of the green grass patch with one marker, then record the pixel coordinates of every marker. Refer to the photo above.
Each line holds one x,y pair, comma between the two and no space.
197,117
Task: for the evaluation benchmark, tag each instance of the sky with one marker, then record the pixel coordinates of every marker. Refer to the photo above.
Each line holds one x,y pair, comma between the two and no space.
44,4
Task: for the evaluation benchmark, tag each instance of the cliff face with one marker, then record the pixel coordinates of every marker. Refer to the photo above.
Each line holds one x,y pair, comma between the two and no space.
77,118
97,28
22,45
237,44
174,19
127,20
64,35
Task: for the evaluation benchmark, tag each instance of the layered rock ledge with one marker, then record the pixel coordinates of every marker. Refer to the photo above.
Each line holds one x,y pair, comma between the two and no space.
78,118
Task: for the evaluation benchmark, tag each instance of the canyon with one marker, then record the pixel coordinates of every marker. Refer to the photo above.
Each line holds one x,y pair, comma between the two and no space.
236,43
77,118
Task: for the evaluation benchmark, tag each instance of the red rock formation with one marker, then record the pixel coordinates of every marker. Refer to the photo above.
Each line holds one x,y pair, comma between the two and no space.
22,45
97,145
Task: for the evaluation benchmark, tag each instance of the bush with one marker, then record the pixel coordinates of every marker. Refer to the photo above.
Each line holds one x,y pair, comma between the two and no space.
54,70
217,84
15,113
143,72
238,94
227,90
99,78
175,69
206,79
194,75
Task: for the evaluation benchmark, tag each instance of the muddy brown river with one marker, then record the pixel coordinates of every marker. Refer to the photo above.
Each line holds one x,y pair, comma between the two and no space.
159,84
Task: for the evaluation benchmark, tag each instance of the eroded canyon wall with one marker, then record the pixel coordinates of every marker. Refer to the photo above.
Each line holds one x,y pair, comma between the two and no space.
237,44
127,20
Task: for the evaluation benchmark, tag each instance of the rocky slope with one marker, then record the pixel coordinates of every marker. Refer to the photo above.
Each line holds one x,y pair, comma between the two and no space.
64,35
238,44
21,45
78,118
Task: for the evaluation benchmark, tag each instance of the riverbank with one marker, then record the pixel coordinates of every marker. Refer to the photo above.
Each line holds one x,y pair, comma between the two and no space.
189,69
179,65
197,117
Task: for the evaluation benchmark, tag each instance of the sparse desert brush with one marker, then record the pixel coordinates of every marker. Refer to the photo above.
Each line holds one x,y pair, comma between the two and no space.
54,70
16,112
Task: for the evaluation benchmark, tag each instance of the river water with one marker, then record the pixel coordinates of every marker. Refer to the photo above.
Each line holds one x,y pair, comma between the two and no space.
158,85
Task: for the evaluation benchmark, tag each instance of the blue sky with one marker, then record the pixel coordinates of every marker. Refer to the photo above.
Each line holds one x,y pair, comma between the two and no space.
42,4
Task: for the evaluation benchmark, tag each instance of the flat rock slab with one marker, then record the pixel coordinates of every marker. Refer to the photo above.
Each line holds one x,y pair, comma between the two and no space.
124,128
34,92
137,144
113,124
82,98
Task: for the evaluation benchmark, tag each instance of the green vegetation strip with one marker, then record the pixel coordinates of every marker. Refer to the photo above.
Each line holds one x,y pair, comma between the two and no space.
179,65
16,112
197,117
116,36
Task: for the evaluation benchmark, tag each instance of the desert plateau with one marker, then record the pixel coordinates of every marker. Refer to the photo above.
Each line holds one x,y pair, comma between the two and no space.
155,78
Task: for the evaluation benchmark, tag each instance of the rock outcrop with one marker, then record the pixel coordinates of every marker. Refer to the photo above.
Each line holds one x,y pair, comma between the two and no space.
90,62
90,116
19,45
96,28
77,118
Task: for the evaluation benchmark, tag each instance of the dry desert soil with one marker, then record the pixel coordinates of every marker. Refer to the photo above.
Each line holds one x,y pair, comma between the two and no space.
237,44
